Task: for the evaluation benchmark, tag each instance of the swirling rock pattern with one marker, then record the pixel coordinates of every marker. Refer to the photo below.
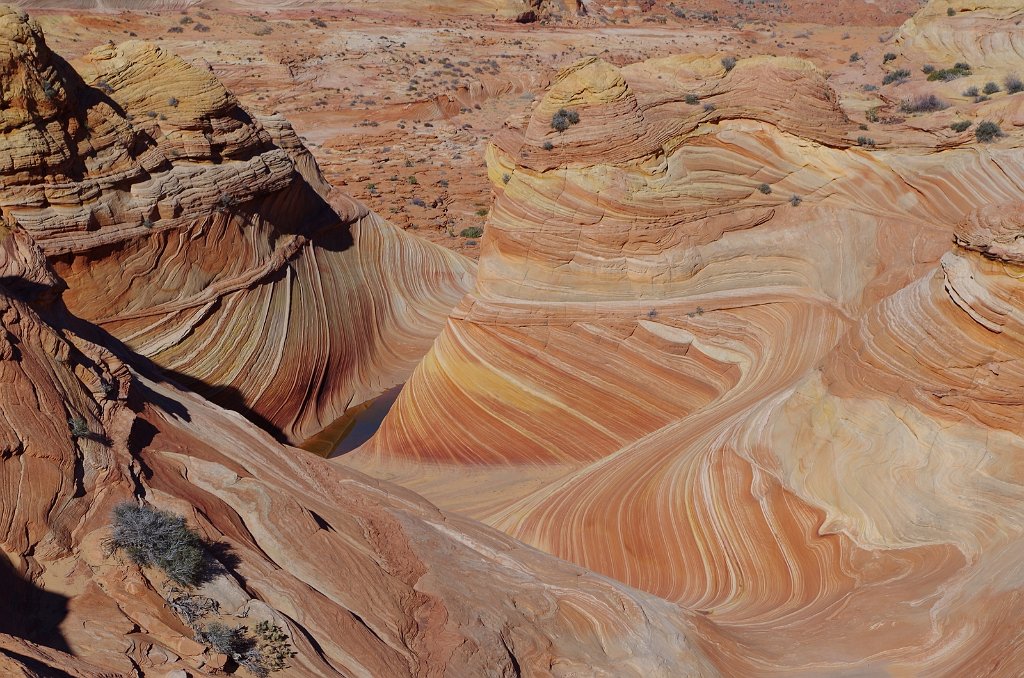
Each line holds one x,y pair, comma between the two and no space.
724,355
206,239
365,579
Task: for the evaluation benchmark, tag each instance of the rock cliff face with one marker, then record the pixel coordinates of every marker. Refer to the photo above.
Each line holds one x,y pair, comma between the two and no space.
115,229
205,238
723,353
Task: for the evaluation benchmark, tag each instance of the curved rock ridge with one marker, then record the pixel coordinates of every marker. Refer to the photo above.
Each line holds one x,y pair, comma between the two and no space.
735,364
364,578
206,238
984,33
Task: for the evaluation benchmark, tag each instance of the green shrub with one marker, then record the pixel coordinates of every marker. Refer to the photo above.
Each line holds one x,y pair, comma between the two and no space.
472,232
899,76
563,119
959,70
960,125
865,141
274,646
950,11
987,131
79,427
151,537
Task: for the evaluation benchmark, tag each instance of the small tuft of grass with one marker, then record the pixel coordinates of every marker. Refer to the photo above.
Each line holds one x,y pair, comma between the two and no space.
795,200
960,125
729,63
472,232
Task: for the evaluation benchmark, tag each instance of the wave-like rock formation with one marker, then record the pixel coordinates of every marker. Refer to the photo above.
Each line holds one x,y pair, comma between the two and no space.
721,353
363,578
205,238
984,33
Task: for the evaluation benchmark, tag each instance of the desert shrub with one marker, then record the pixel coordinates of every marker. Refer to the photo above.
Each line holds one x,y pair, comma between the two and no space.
472,232
870,88
151,537
482,212
173,102
923,103
708,107
960,125
958,70
506,177
795,200
765,188
175,29
971,92
275,648
413,181
889,56
548,146
987,131
319,23
872,114
1013,84
729,63
225,202
927,69
191,608
229,640
692,99
79,427
991,88
950,11
855,57
563,119
899,76
865,141
202,28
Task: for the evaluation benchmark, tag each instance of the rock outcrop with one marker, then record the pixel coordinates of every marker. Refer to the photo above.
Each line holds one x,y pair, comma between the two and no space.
363,578
205,239
721,352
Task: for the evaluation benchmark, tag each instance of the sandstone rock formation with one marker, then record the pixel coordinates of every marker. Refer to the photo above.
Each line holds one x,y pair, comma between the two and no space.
725,353
188,229
365,579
